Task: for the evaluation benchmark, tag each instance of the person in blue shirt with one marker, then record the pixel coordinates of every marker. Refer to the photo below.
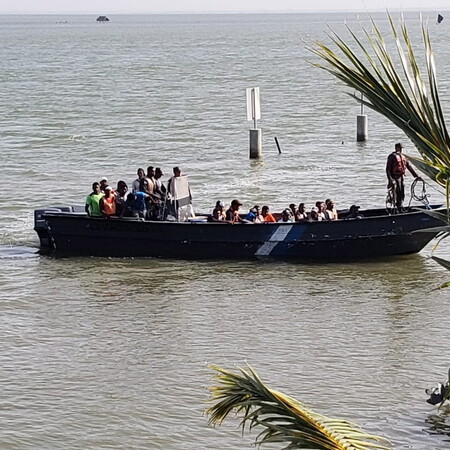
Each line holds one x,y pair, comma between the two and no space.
254,215
251,215
135,205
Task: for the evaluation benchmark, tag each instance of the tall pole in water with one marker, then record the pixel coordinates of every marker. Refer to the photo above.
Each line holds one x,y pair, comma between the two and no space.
254,113
361,124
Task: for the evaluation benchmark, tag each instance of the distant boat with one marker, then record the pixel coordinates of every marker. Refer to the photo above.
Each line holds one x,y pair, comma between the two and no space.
102,19
440,18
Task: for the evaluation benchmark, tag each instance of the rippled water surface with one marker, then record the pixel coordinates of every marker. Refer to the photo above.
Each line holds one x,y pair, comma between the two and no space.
112,353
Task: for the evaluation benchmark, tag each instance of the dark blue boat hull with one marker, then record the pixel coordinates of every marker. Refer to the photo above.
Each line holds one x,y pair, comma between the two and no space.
375,236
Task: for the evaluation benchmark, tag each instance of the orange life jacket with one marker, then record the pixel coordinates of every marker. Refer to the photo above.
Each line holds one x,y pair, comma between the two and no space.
109,205
399,166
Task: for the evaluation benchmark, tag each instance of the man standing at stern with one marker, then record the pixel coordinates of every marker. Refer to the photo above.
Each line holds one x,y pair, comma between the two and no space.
395,170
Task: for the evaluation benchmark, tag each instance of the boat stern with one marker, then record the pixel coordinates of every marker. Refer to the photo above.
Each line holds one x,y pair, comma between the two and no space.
42,228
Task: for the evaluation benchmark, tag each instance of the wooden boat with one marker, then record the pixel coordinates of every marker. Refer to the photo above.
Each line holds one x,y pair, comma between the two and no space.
68,231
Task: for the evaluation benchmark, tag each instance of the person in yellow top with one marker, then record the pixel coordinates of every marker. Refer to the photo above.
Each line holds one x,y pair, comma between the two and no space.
92,206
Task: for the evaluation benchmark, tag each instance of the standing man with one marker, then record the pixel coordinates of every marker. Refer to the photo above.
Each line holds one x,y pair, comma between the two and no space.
170,183
103,184
148,182
395,170
179,204
160,189
121,197
108,203
92,206
135,186
147,185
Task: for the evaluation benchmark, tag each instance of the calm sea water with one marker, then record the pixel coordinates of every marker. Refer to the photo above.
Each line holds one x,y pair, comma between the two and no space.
112,353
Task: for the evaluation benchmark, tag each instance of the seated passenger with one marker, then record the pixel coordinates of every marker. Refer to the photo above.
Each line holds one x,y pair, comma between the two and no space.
108,203
251,215
314,215
254,215
354,213
286,216
92,206
121,196
135,205
232,214
320,208
218,214
301,213
330,211
293,209
259,217
266,215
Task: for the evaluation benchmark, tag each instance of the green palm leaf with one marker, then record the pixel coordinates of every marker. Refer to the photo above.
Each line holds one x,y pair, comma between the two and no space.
398,92
282,418
442,262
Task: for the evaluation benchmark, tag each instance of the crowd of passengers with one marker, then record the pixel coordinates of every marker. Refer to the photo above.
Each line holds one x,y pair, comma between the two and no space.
148,195
322,211
146,199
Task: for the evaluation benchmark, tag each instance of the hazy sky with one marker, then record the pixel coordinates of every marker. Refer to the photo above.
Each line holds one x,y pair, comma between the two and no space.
152,6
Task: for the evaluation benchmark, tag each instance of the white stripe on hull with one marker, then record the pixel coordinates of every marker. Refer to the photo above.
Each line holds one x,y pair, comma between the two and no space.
279,235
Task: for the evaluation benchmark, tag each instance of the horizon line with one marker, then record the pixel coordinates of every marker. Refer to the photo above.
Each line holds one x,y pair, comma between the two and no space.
175,12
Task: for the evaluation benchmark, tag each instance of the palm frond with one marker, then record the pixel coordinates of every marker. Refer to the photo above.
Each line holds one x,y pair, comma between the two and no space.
282,418
398,92
443,262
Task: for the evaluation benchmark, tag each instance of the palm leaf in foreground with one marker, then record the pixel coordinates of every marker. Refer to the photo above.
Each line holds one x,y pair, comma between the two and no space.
396,91
446,264
439,394
283,419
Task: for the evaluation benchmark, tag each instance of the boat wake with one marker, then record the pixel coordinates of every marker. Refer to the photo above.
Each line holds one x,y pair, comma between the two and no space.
17,252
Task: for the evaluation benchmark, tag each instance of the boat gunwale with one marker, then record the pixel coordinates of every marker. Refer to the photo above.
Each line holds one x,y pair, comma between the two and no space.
84,216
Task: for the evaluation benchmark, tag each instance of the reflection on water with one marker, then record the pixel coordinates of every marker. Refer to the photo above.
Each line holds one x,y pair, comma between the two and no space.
439,423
